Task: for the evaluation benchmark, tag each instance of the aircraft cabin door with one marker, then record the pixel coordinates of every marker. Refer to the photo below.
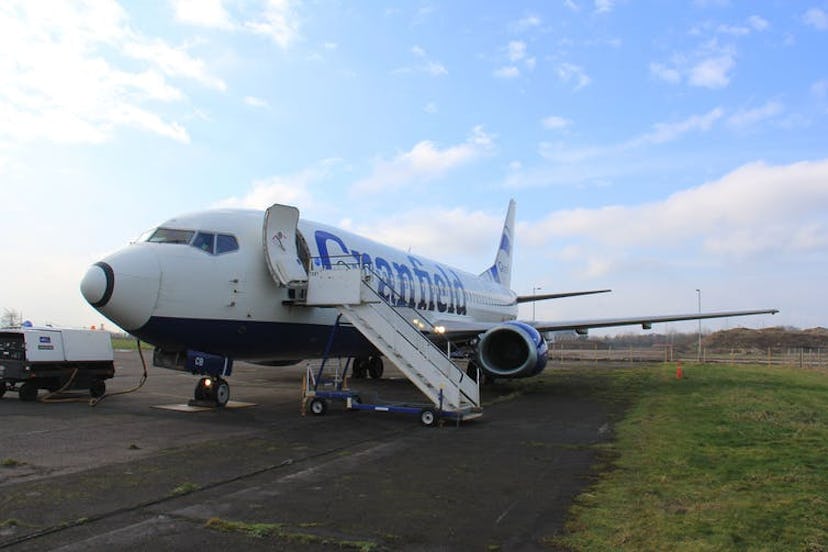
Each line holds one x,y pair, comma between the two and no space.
280,244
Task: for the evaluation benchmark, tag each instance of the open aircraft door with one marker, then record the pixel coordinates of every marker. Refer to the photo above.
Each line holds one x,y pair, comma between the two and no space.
280,244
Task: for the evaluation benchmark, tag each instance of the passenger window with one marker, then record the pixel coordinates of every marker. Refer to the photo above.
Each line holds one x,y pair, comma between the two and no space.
204,241
226,243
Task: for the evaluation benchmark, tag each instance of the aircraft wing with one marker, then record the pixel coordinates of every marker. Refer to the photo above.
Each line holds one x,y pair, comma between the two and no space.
466,329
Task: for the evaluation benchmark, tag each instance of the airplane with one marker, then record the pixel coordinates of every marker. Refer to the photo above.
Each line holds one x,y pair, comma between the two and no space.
227,284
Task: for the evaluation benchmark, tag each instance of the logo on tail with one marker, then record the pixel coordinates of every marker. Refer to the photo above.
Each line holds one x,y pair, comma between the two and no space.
501,271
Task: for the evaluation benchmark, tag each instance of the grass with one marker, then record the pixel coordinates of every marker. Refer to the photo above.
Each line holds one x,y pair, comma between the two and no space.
726,458
128,344
10,463
279,531
184,488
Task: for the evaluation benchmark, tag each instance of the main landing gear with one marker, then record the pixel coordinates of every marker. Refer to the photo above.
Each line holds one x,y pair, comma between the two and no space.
368,366
212,389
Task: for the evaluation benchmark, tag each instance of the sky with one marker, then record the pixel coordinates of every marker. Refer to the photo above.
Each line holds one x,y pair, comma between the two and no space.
655,148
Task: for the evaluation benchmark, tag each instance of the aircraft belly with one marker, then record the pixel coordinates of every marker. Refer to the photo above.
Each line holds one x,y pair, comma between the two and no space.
247,339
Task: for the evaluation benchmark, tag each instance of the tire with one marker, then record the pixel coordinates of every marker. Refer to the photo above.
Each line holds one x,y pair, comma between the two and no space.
2,389
97,389
360,369
471,371
318,407
221,390
28,392
428,417
375,367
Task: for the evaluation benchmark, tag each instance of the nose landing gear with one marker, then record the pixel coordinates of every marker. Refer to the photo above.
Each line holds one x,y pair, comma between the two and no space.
214,390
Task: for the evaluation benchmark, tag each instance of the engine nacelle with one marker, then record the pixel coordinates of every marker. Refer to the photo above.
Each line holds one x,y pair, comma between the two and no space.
512,350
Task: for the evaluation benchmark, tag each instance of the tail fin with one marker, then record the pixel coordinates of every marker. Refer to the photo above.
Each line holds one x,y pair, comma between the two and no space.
501,271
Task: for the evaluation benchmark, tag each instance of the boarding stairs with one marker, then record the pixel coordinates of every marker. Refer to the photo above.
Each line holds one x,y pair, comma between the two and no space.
397,333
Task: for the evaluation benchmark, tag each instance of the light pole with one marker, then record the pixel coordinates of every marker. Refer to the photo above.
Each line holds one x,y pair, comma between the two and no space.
698,292
534,289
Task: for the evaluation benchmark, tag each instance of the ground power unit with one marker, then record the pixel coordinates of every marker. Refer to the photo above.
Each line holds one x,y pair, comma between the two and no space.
55,359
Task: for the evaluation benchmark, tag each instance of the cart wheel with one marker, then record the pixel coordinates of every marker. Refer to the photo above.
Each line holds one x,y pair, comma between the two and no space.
318,407
97,389
375,367
202,392
222,392
28,392
428,417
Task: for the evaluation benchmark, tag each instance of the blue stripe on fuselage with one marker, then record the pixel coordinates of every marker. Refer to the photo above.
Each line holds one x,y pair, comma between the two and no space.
244,339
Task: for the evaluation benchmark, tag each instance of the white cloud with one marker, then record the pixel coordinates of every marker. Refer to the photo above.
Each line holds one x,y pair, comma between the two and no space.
424,162
758,23
253,101
755,209
292,189
661,133
604,6
744,118
526,23
816,18
203,13
507,72
667,74
669,132
79,72
516,50
820,89
572,5
278,21
712,72
470,240
555,122
571,73
427,65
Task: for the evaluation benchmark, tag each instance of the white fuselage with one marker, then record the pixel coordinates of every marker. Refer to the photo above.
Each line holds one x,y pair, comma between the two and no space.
178,296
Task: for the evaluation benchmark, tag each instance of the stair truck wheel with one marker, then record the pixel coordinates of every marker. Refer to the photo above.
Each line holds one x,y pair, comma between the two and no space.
28,392
428,417
318,407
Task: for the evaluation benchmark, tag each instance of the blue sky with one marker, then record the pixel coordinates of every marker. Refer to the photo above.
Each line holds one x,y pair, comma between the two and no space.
652,147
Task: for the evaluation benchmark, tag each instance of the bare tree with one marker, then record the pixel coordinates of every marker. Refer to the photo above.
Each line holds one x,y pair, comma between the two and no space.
11,318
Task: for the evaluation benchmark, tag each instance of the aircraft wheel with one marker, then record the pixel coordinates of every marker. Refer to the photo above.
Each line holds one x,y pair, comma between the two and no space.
97,389
471,371
221,390
202,390
428,417
375,367
360,367
318,407
28,392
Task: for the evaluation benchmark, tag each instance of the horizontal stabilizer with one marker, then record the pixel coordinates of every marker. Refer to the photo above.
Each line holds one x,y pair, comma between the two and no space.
545,296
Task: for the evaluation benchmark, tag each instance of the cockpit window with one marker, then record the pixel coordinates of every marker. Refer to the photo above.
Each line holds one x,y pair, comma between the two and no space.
226,243
170,235
204,241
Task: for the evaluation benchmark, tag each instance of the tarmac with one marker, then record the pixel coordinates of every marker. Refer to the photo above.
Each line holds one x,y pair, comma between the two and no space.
126,475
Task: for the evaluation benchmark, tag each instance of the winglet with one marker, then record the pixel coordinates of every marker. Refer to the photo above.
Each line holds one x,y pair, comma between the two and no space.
501,271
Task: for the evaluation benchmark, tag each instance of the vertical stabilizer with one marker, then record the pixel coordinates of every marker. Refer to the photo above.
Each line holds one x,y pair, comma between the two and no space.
501,271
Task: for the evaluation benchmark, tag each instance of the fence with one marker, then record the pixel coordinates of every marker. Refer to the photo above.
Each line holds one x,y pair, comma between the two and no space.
784,357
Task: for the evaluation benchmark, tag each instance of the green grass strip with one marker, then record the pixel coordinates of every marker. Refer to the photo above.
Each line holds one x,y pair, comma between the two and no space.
730,457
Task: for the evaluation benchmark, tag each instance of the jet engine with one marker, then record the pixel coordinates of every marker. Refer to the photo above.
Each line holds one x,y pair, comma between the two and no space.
512,350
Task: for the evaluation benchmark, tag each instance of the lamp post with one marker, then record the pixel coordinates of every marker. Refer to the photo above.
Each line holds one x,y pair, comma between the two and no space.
534,289
698,292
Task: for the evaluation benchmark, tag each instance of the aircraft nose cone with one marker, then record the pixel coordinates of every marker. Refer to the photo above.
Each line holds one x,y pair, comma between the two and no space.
124,287
97,285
